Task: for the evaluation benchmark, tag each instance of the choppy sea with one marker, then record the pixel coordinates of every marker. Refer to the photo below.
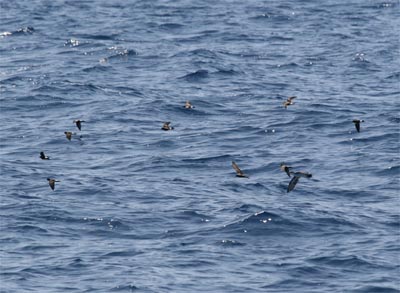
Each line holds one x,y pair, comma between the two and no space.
139,209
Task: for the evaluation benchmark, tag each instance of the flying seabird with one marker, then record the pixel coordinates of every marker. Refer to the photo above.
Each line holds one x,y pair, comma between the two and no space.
289,101
239,172
78,123
68,135
52,182
43,156
295,179
286,169
166,126
188,105
357,124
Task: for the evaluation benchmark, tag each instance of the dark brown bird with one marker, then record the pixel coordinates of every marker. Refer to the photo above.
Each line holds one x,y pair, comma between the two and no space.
289,101
43,156
286,169
239,172
357,124
188,105
52,182
78,123
295,179
166,126
68,135
292,183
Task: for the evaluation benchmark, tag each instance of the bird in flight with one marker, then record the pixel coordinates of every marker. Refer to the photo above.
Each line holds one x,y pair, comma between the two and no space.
68,135
166,126
239,172
188,105
52,182
78,123
357,124
43,156
289,101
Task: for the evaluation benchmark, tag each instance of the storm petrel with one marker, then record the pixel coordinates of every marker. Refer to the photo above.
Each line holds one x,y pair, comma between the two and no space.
289,101
43,156
78,123
166,126
188,105
52,182
357,124
68,134
239,172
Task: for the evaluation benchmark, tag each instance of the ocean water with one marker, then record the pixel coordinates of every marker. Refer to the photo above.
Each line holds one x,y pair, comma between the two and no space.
139,209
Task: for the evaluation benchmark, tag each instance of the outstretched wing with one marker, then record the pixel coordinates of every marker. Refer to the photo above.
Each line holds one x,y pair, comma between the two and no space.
237,169
357,124
52,184
292,183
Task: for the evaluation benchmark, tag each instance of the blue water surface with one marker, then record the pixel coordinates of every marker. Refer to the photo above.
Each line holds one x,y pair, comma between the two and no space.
139,209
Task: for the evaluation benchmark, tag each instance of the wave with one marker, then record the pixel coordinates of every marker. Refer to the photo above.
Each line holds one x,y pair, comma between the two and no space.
392,170
201,160
121,253
120,55
171,26
375,289
201,52
383,5
14,78
395,75
227,72
263,222
288,65
247,208
274,17
196,76
193,215
96,68
97,36
30,229
275,38
349,261
393,119
22,31
230,243
126,288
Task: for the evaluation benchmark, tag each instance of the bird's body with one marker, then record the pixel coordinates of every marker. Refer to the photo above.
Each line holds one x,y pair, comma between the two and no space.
295,179
188,105
52,182
286,169
239,172
289,101
166,126
68,135
43,156
79,123
357,124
